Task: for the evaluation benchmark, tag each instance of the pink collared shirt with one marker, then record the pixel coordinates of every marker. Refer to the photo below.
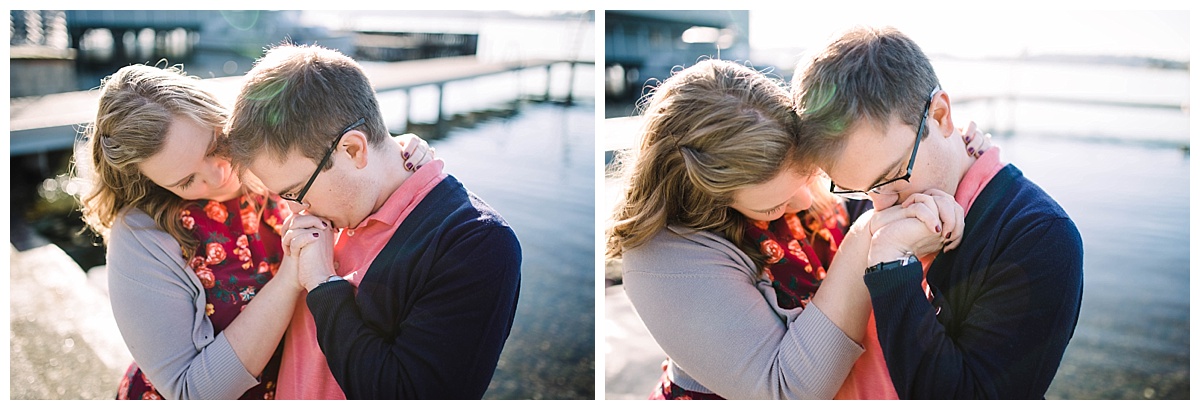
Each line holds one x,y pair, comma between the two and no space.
981,172
303,372
869,379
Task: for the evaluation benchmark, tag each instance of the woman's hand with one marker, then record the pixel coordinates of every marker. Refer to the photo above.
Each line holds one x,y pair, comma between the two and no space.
416,152
288,273
977,143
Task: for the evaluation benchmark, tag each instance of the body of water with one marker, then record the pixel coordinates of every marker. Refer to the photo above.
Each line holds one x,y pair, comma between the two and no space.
1130,203
1122,173
1099,84
537,170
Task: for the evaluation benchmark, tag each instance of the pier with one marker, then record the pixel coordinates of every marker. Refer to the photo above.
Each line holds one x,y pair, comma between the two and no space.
53,122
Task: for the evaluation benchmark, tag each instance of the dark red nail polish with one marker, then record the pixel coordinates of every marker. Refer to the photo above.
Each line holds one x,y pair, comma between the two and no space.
316,235
404,154
937,229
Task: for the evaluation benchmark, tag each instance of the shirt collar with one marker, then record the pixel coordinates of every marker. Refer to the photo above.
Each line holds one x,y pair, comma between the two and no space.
977,177
404,196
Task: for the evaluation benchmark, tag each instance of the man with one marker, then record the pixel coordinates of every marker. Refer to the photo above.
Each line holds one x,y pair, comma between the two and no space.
999,310
416,296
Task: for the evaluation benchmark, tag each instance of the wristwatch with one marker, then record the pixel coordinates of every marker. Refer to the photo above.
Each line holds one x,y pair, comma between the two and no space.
908,259
331,278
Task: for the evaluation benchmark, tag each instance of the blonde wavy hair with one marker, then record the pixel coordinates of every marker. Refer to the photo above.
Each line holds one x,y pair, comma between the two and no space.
137,104
708,131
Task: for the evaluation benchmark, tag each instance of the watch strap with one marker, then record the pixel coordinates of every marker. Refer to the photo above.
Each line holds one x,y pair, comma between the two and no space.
908,259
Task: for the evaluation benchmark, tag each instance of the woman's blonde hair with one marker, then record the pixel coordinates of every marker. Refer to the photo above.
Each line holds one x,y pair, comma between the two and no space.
137,105
708,130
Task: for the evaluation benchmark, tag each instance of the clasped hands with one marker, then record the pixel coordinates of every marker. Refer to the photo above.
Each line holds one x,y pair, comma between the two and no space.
925,223
308,240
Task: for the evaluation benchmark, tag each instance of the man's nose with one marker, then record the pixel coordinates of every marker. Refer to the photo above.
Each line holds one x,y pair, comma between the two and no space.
296,207
883,201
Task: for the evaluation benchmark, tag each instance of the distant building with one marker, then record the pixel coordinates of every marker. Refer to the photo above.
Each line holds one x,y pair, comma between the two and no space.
640,45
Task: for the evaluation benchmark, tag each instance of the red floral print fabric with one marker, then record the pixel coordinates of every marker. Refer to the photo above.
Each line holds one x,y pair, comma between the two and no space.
232,262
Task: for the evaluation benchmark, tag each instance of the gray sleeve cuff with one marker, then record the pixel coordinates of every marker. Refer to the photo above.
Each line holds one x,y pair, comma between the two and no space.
823,349
230,379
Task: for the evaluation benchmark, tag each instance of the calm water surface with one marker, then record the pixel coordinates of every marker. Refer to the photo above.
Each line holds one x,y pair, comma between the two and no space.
1130,203
537,170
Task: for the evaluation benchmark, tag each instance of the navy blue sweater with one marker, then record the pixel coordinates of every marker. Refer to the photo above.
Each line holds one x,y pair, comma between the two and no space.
433,310
1006,302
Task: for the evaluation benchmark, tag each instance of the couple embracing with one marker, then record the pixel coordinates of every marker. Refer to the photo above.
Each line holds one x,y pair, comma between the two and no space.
841,240
290,248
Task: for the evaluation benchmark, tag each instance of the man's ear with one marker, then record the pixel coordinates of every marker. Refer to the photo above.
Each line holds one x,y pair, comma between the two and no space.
356,147
939,111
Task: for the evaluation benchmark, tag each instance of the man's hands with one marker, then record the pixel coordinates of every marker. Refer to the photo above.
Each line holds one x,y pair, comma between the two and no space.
925,223
308,240
308,246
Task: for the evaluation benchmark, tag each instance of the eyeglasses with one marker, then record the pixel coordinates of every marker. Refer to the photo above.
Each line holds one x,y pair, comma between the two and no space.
300,197
857,194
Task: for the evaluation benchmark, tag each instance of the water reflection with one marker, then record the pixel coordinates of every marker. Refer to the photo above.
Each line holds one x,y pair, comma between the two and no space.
537,169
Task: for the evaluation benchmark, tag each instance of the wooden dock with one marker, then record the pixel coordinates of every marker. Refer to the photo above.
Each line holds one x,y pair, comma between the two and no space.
55,121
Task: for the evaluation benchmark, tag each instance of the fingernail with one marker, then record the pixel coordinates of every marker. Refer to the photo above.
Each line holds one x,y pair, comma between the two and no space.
408,166
316,235
967,139
971,150
947,235
404,154
324,225
937,229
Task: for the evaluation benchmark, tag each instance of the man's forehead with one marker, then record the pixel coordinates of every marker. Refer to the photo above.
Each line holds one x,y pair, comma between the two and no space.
272,170
869,151
862,134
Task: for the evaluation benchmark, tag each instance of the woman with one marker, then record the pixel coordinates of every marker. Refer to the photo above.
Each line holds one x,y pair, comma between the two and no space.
200,286
726,234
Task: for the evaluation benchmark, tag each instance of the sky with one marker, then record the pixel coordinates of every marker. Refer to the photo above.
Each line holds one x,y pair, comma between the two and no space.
992,33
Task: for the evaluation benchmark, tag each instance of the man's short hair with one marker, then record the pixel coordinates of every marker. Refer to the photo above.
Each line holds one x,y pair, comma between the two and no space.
865,76
299,97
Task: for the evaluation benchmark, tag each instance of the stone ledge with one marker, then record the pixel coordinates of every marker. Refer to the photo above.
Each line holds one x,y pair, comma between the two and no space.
64,342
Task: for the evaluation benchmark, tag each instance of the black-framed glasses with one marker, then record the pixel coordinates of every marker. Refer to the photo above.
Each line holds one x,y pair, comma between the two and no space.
854,193
300,197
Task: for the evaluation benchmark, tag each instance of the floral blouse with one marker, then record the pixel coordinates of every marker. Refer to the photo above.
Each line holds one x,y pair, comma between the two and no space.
798,247
238,253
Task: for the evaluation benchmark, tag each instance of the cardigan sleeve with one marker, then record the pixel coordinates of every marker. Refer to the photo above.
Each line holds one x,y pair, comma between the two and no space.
700,304
159,309
1013,336
449,344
